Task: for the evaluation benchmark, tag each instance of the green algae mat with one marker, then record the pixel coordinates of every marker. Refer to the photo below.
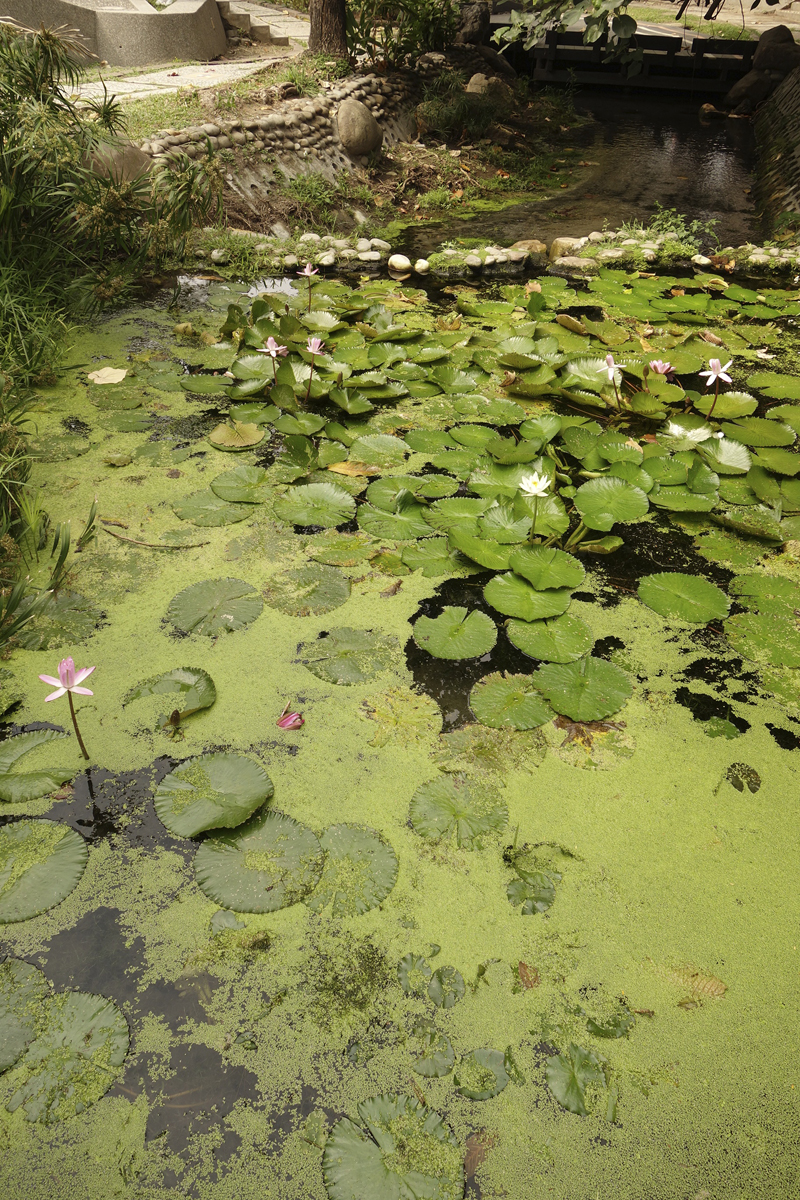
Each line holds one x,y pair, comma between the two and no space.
439,833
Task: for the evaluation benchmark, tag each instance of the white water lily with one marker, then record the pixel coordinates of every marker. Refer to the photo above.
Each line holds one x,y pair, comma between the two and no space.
702,434
717,372
534,484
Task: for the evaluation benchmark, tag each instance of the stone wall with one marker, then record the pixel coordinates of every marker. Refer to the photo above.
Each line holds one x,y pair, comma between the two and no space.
777,129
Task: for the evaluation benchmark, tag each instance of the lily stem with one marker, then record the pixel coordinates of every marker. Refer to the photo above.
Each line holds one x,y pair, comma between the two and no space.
533,522
716,398
84,751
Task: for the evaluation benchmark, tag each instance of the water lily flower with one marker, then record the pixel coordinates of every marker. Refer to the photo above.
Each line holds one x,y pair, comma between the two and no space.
69,680
717,372
314,345
611,367
290,721
660,368
307,272
275,352
534,484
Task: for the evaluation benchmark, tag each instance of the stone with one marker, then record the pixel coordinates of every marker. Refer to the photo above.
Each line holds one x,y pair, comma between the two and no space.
309,237
750,90
359,132
496,62
363,244
220,257
596,237
473,26
777,51
517,256
379,244
210,130
346,255
328,259
399,262
280,231
238,138
290,260
360,217
124,162
700,260
369,256
532,245
610,255
263,248
422,266
561,246
573,265
472,260
341,244
491,87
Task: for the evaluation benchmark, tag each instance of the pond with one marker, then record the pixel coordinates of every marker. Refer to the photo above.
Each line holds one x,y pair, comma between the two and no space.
438,830
641,151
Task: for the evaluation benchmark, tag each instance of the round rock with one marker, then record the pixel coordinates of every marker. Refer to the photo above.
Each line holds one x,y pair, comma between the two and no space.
359,132
399,262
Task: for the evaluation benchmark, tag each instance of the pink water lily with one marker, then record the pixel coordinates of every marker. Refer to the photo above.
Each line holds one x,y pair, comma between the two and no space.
713,375
290,721
314,345
660,368
611,371
69,680
273,349
308,271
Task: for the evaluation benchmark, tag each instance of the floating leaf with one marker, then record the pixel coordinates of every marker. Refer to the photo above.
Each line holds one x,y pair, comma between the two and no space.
383,493
587,690
404,1150
347,656
453,804
569,1074
215,606
405,524
536,892
342,550
74,1060
305,590
501,524
41,862
547,568
560,640
236,435
108,375
269,863
322,504
209,510
22,989
456,634
516,598
213,791
687,597
727,457
435,558
481,1075
19,788
492,555
241,485
618,1025
782,462
195,687
758,431
459,512
434,1056
765,638
502,700
413,974
603,502
402,717
380,449
446,987
359,872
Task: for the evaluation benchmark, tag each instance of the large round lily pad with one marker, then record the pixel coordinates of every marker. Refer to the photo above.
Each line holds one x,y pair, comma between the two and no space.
20,787
509,701
403,1151
269,863
243,485
433,1054
453,804
74,1060
765,638
560,640
209,510
305,590
547,568
586,690
322,504
456,634
603,502
687,597
41,862
214,791
22,988
446,987
481,1074
515,597
347,656
215,606
359,872
194,685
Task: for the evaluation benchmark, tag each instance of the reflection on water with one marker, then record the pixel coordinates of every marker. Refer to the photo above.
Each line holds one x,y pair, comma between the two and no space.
644,151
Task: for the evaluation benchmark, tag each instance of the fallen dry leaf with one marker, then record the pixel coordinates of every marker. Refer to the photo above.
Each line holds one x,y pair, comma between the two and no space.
393,589
478,1146
528,976
108,375
354,468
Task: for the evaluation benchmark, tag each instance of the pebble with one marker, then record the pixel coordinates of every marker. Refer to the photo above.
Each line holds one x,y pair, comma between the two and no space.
220,257
328,259
422,266
363,244
472,260
290,260
397,262
369,256
310,237
700,260
379,244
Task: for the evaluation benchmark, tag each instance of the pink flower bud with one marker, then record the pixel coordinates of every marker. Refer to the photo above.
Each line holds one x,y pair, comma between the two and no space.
290,721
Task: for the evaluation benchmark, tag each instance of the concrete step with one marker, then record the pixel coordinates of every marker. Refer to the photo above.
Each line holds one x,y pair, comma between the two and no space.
239,18
261,31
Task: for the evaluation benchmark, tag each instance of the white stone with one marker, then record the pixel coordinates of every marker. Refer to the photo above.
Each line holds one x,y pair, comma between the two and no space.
422,266
610,255
472,260
596,237
363,244
359,217
700,260
379,244
328,259
629,242
310,237
263,248
346,255
221,257
369,256
291,260
649,255
399,262
561,246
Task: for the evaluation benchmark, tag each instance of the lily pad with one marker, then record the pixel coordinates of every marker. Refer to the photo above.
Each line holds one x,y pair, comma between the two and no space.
547,568
379,449
456,634
687,597
446,987
568,1076
435,558
764,638
453,804
22,989
586,690
215,606
348,656
18,788
305,590
481,1075
536,892
213,791
269,863
433,1057
515,597
603,502
194,686
360,871
403,1150
241,485
509,701
342,550
405,524
413,974
486,553
41,862
456,513
322,504
236,435
560,640
209,510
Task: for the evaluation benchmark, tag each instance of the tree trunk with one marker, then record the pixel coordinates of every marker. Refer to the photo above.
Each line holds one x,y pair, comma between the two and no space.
328,33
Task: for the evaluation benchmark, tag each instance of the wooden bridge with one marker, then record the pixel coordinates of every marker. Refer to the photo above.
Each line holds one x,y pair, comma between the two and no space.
709,66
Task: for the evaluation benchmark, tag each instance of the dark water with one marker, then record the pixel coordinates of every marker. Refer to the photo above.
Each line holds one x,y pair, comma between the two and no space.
645,150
